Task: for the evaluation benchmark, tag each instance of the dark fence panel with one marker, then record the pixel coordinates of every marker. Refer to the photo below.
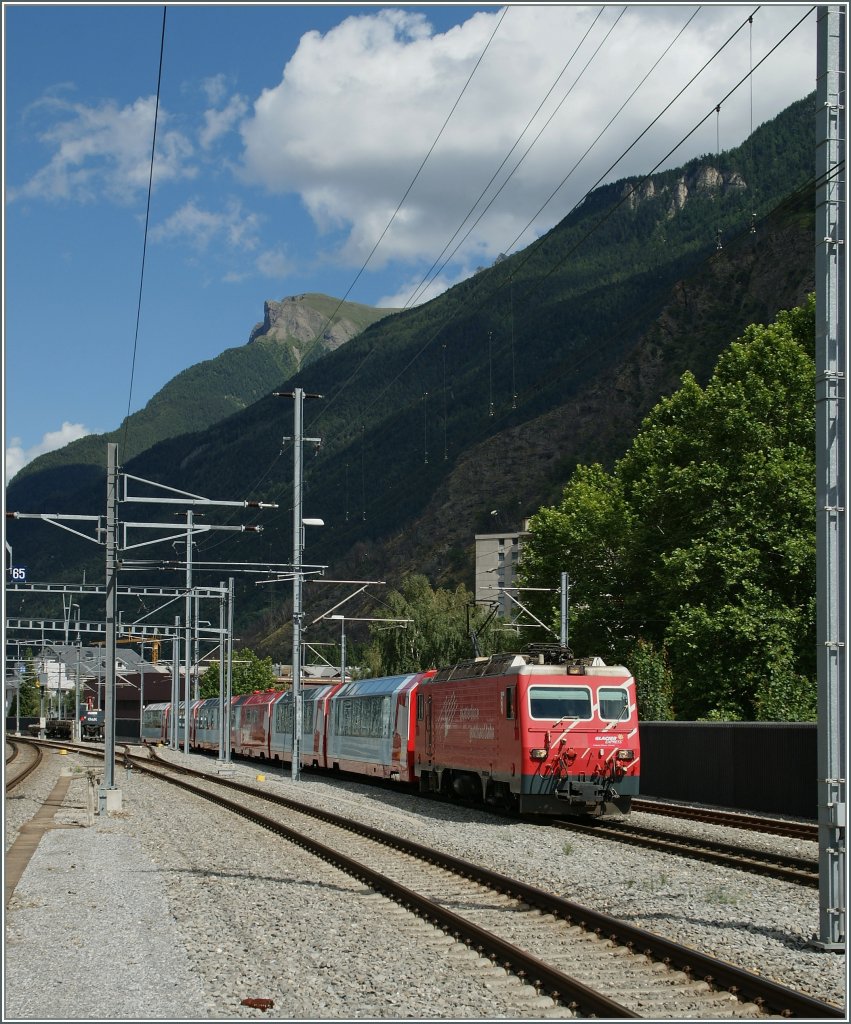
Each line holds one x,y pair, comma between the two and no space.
25,722
127,729
749,766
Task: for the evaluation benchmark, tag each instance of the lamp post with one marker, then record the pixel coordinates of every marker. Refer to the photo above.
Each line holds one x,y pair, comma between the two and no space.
298,396
298,546
141,691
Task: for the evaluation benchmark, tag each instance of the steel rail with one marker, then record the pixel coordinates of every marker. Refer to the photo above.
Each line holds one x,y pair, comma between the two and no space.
749,822
788,869
748,987
19,778
561,987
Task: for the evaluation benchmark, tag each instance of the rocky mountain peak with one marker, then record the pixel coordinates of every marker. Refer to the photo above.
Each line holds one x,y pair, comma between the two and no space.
705,181
297,320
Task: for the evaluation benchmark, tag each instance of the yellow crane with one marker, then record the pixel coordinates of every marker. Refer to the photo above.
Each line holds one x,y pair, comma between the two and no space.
128,638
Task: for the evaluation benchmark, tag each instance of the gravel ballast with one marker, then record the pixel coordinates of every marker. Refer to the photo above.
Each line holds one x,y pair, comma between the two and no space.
181,910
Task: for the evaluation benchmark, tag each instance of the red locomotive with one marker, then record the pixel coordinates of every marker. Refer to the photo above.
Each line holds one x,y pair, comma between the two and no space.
545,734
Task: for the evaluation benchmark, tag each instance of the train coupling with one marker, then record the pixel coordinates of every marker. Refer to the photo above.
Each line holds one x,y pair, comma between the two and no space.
588,794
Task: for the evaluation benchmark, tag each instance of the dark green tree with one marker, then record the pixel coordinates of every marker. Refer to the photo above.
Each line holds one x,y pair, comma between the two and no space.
701,542
250,673
437,635
30,691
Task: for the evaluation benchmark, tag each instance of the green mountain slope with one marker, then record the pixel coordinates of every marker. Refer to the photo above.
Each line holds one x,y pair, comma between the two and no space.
485,397
293,333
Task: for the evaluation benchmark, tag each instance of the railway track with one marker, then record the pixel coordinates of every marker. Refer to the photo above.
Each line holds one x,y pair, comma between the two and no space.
30,756
591,962
751,823
800,870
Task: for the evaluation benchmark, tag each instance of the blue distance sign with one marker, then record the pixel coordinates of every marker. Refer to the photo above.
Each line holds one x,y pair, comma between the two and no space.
18,573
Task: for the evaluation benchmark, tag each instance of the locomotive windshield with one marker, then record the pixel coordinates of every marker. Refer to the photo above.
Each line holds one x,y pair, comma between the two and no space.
613,705
557,702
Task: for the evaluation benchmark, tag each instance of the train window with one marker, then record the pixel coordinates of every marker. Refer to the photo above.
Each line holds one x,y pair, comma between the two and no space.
509,702
614,705
419,707
558,702
284,718
308,712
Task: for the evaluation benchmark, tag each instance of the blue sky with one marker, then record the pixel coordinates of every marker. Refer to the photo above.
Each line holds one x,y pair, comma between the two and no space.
287,135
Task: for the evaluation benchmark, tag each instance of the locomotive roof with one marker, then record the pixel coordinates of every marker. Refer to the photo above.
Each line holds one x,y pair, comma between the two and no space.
546,660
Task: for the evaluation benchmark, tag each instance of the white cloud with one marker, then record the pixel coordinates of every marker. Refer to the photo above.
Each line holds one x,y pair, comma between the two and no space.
17,456
105,150
199,227
274,263
219,122
358,108
415,291
215,88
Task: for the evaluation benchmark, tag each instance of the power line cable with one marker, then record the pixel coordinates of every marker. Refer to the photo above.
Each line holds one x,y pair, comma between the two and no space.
489,295
629,148
329,320
401,202
585,154
628,195
570,363
145,239
412,300
540,210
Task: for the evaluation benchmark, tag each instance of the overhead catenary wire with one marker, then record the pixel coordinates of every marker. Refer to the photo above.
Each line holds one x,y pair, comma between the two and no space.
540,210
561,184
320,333
489,294
327,406
634,142
419,290
646,177
570,363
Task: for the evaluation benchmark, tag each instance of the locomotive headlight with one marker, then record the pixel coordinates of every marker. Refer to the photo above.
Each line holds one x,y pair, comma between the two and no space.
625,755
538,753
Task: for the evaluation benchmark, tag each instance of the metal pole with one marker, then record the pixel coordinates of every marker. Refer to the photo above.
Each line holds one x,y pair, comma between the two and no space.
831,472
229,682
343,650
196,650
77,696
111,613
187,654
222,671
565,590
298,401
142,693
175,685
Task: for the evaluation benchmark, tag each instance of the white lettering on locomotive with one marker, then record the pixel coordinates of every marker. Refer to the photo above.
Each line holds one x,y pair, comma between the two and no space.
482,732
448,712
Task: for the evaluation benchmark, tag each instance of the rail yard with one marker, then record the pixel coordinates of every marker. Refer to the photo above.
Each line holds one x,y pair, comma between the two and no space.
188,909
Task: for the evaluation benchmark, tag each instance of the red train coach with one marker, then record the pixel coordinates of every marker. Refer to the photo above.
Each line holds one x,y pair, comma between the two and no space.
542,733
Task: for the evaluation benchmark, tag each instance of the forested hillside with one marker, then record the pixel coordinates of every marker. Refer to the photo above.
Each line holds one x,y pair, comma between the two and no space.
207,392
693,560
487,397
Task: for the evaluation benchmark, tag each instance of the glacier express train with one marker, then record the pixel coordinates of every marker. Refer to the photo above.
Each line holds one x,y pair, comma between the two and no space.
538,733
